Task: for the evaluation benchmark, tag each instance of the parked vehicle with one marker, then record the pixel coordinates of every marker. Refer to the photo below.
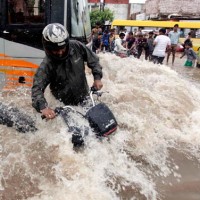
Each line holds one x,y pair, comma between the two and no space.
21,25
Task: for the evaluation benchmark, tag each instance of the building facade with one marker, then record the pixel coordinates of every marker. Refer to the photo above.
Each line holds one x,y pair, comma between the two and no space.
122,9
168,8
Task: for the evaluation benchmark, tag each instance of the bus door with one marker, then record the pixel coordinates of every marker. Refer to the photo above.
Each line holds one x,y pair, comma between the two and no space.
73,14
80,21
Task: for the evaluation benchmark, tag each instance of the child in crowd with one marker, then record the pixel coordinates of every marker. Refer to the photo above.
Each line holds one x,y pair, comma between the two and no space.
198,58
105,44
112,40
191,55
150,41
96,45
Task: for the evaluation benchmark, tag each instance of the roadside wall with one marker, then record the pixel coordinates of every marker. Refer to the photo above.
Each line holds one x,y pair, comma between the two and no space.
186,7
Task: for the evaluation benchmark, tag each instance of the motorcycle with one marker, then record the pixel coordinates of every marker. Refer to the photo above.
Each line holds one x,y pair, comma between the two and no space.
99,117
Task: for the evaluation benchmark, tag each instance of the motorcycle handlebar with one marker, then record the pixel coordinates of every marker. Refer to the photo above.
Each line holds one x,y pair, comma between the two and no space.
57,111
93,90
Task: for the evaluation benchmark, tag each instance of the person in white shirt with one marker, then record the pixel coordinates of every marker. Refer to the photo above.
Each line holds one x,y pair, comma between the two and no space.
161,43
126,34
119,48
174,37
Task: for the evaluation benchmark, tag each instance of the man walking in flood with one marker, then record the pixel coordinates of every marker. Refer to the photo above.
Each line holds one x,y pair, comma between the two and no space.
161,43
174,37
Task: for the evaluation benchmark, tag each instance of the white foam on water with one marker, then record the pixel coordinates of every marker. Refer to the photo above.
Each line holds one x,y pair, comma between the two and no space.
156,111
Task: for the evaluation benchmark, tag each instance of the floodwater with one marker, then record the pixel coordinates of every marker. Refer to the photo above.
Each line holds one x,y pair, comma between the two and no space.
154,154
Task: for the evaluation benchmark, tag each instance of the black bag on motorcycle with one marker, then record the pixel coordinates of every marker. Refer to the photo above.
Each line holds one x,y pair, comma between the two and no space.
101,119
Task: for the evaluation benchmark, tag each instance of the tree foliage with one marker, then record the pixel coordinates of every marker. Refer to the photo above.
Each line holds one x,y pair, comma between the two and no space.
101,16
30,3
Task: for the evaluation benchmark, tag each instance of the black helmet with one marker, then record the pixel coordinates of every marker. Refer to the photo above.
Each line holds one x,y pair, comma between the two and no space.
55,37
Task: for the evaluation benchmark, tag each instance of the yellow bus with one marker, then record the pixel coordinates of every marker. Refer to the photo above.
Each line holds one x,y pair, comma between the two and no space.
148,25
21,25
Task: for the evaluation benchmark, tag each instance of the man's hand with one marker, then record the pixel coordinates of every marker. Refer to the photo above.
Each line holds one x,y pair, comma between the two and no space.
98,84
48,113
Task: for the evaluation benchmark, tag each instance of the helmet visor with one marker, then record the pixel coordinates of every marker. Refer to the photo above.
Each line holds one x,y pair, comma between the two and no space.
54,46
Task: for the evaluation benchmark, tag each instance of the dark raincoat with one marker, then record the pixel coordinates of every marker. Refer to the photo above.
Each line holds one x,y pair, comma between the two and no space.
66,77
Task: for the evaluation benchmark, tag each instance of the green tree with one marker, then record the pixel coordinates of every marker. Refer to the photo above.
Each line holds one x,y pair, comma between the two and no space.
101,16
30,3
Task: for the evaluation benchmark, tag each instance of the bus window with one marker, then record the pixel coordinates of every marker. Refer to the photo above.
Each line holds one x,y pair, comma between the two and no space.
25,11
0,13
23,20
80,21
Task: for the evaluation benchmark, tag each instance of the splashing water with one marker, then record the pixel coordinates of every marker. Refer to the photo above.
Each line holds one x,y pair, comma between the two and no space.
157,113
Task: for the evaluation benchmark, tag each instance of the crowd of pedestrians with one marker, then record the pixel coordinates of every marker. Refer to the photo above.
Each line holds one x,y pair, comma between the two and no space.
153,45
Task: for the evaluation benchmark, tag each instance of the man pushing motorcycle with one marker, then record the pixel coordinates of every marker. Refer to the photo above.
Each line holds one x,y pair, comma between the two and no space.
63,69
